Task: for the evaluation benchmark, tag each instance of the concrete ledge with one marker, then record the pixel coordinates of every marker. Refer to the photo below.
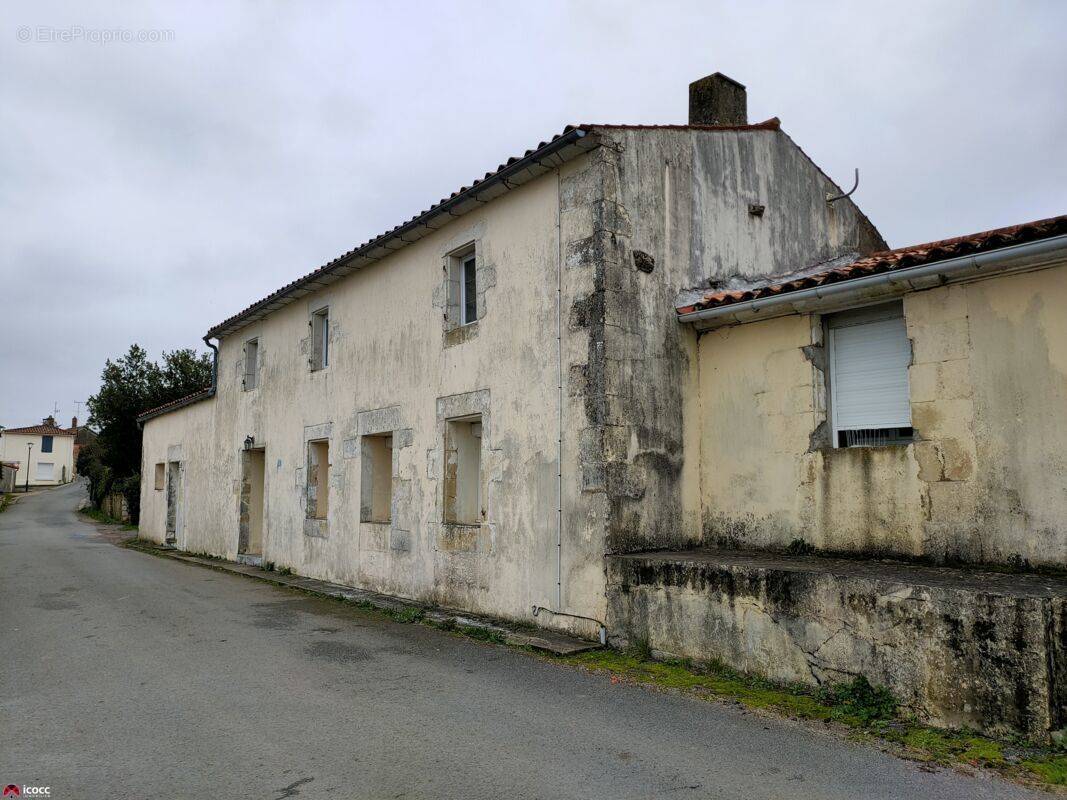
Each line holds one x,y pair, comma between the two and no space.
960,648
549,641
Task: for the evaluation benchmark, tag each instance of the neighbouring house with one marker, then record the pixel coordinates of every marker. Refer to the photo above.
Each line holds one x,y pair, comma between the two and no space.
83,436
654,379
44,452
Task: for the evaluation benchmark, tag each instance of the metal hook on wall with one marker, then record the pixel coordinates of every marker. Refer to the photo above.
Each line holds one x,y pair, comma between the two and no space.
830,198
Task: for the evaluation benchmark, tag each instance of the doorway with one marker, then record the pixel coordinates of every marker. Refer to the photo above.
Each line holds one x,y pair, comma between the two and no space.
253,495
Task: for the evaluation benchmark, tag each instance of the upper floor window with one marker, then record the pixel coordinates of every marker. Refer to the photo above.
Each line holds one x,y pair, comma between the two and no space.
320,339
463,286
869,355
251,370
46,444
469,296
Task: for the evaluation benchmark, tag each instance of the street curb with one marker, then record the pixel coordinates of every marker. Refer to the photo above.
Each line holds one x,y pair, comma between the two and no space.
537,639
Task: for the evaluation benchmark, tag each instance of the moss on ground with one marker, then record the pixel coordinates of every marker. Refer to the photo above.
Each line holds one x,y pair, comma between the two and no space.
869,711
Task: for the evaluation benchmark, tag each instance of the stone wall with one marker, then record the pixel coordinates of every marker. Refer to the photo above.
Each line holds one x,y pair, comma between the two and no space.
986,651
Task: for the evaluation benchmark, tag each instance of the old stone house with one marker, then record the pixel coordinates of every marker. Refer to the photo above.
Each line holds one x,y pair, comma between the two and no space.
505,403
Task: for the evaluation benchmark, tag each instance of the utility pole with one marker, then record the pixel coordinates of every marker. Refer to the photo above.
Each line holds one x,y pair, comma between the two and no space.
29,447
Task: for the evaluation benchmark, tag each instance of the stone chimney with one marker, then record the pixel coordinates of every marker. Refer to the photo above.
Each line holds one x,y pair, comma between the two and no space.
74,423
717,100
50,420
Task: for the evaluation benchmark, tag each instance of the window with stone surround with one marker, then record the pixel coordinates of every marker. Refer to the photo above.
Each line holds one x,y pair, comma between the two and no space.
376,485
160,476
463,286
320,339
463,501
318,479
251,365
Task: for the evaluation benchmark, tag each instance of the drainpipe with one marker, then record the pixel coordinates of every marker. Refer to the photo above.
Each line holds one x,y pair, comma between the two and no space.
1005,258
214,366
559,394
602,630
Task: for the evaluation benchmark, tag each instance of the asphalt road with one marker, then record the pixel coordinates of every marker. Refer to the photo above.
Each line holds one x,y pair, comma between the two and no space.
124,675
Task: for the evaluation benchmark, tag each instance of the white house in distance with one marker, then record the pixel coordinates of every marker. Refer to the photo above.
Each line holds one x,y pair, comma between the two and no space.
47,448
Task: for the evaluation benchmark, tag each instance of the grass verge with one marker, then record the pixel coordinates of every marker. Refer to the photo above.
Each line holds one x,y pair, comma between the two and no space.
7,499
97,515
867,712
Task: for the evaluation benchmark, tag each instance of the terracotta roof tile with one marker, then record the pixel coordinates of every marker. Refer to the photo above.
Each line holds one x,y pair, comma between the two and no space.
174,405
40,430
887,261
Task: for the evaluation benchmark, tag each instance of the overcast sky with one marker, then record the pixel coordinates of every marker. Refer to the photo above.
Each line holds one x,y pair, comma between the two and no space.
149,190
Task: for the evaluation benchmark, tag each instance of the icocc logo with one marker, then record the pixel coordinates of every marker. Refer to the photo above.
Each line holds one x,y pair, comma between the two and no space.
14,790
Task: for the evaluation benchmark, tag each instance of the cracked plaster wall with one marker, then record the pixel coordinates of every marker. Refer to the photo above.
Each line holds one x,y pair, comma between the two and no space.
986,480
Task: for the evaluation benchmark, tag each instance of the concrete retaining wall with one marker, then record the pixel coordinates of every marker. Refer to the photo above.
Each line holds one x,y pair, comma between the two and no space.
986,651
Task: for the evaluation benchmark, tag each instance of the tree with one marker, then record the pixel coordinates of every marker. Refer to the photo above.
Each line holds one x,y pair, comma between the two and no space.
129,386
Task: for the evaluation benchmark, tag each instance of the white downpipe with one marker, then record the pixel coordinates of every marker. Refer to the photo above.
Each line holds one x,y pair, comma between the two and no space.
602,630
783,304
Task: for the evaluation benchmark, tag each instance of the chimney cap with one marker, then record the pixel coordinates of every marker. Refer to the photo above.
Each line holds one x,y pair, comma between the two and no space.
721,76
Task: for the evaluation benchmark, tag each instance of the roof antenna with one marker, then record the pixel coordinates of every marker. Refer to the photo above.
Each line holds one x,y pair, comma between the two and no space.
830,198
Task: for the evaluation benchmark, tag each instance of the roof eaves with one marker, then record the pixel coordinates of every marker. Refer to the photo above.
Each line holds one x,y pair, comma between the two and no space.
516,170
886,261
174,405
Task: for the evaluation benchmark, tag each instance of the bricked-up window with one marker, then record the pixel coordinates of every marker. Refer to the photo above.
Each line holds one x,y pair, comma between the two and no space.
376,486
320,339
159,477
318,479
251,371
463,501
869,355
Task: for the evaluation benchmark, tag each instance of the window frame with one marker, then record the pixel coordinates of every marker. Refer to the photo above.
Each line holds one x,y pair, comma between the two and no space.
456,294
254,372
49,440
160,476
854,317
320,326
468,265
